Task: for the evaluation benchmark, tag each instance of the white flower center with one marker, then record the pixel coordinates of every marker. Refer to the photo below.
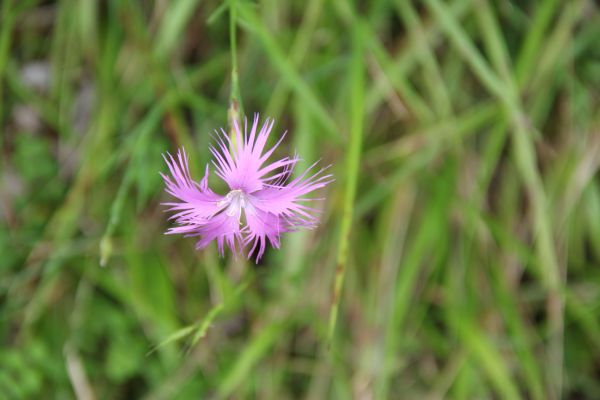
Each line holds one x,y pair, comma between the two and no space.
236,200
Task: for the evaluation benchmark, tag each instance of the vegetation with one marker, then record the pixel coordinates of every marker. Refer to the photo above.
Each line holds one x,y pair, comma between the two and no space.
458,252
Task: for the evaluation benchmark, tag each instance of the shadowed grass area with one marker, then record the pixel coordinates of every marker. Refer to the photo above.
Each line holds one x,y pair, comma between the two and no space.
458,252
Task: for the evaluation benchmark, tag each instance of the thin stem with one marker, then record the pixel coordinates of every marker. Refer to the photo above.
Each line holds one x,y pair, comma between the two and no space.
235,101
8,17
352,168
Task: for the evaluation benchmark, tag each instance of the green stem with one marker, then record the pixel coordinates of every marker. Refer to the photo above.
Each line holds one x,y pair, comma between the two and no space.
353,161
7,17
235,101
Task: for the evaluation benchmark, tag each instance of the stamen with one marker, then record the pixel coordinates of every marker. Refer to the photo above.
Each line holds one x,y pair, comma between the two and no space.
235,201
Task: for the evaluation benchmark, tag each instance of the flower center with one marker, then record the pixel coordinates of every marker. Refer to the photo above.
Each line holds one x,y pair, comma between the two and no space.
235,200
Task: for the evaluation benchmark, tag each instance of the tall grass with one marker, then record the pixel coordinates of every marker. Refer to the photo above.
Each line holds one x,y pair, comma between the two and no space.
459,246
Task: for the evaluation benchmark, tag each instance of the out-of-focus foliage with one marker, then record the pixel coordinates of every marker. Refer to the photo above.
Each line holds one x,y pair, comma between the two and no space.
468,258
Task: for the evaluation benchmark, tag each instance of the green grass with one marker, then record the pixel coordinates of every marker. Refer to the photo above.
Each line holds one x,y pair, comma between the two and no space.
458,253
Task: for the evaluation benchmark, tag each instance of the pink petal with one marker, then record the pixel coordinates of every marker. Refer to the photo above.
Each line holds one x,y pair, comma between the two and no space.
260,226
196,202
224,229
288,201
239,161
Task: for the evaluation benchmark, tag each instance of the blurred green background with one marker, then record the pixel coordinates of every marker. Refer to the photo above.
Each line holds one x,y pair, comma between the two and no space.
459,245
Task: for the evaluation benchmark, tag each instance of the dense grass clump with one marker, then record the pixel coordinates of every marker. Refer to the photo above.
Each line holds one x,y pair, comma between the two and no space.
458,253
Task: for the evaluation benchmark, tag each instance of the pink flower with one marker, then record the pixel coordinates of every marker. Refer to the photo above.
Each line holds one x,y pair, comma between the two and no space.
262,202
